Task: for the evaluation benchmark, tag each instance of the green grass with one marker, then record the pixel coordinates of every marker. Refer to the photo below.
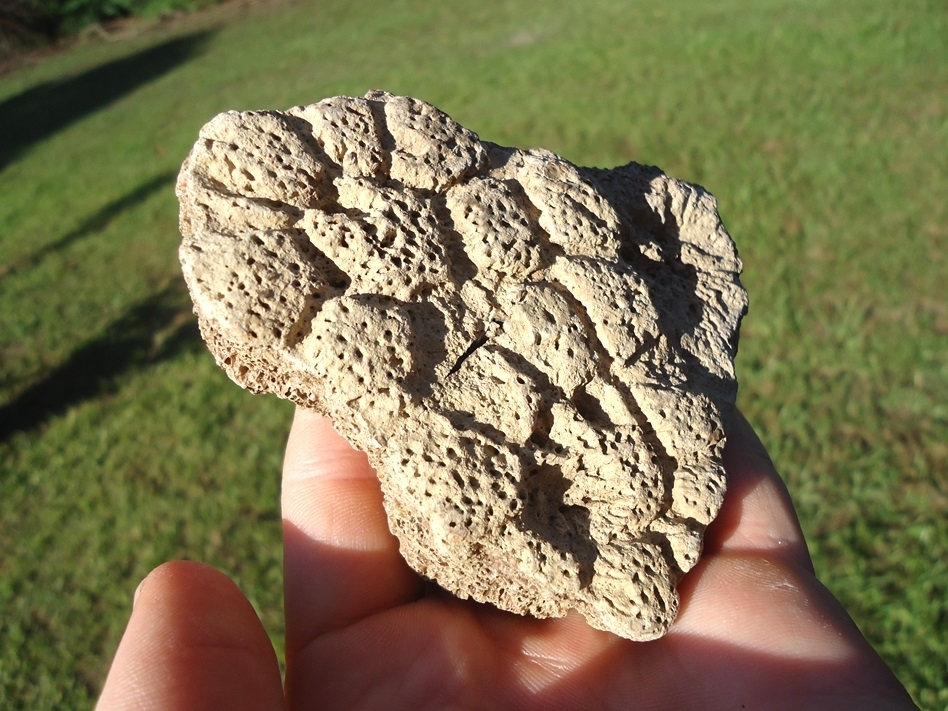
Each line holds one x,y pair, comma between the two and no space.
822,128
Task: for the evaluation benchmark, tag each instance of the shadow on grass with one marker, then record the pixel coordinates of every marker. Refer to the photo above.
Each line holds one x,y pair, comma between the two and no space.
41,111
92,225
154,329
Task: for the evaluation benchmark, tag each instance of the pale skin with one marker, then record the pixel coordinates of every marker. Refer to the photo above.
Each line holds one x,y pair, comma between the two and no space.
756,629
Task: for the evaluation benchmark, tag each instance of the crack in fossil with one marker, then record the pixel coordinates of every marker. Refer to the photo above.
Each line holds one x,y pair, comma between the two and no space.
477,343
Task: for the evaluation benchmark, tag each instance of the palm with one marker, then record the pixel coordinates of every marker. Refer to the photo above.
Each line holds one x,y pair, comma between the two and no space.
447,654
755,627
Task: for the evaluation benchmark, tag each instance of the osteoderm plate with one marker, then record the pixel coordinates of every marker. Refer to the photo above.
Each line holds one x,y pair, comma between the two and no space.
536,357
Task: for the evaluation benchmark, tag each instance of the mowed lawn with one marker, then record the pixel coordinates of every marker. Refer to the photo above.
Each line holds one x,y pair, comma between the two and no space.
821,127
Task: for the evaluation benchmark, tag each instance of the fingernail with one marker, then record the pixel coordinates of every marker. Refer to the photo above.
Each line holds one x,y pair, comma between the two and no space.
138,591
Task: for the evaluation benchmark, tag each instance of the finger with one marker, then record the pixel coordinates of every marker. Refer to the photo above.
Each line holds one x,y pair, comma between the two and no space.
758,596
193,641
767,605
757,515
759,629
341,563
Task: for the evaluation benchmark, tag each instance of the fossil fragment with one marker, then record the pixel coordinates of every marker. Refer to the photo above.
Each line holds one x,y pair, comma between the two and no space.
536,357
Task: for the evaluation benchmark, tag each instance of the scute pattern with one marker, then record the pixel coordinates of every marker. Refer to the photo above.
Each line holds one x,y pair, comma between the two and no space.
537,358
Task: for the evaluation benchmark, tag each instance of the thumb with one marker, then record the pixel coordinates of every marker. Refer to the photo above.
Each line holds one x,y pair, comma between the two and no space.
193,642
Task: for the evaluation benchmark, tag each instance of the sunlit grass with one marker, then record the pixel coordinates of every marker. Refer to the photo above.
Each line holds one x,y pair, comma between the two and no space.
821,128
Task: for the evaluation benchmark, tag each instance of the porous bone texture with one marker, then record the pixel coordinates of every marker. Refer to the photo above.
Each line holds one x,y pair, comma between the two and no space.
536,357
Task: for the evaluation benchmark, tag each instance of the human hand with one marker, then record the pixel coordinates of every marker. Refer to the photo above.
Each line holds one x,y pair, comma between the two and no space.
756,629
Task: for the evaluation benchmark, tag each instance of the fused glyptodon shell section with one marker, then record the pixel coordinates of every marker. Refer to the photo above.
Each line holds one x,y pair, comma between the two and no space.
537,358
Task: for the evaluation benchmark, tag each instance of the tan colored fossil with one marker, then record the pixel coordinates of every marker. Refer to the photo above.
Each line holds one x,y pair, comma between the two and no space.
536,357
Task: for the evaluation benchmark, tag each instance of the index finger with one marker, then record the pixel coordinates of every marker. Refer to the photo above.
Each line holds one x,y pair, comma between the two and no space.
758,514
